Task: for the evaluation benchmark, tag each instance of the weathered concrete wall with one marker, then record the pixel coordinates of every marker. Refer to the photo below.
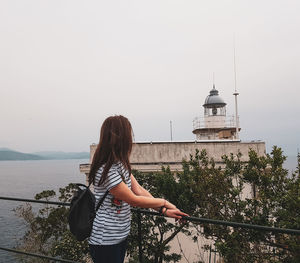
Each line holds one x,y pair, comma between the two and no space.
150,156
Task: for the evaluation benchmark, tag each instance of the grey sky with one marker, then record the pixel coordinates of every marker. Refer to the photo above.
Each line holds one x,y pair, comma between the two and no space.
66,65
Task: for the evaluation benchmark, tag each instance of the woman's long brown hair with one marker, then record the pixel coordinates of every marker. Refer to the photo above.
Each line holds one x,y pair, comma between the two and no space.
114,146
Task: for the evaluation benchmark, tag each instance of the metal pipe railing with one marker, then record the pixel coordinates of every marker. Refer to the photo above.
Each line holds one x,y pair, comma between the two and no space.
191,219
144,211
222,122
38,255
33,201
140,235
229,223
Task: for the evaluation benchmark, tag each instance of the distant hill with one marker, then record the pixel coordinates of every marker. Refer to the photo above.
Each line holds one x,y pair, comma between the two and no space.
5,149
63,155
10,155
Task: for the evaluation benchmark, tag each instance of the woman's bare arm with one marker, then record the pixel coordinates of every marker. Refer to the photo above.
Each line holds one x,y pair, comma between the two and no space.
140,197
122,192
138,189
141,191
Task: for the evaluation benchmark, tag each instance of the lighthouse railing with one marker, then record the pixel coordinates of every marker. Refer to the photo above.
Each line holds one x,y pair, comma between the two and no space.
214,122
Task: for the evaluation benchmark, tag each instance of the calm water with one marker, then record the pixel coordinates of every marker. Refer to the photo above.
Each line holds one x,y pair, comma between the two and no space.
26,178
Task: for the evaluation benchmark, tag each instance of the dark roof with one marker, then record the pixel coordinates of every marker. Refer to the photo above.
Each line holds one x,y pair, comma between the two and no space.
213,100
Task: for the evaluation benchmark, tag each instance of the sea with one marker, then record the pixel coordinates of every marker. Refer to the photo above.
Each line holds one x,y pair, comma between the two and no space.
24,179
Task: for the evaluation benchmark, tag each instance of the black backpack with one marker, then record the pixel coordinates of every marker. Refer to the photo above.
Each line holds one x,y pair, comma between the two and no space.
82,212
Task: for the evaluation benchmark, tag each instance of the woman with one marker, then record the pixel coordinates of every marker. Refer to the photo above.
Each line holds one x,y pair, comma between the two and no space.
111,171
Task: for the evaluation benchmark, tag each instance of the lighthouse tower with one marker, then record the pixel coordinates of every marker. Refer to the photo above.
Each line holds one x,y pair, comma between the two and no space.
215,125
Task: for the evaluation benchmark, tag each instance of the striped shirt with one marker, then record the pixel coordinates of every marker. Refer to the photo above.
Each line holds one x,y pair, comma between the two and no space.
112,222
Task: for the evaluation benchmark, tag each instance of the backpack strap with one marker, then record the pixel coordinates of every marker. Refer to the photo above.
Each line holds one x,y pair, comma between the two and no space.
101,201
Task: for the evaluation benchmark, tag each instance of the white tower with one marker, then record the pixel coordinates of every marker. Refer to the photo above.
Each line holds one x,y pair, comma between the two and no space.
215,125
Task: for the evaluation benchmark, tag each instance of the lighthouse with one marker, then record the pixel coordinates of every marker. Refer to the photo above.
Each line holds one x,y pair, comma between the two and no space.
215,124
215,131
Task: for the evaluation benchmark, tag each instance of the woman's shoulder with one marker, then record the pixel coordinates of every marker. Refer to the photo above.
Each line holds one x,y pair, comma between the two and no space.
113,171
113,166
116,168
120,167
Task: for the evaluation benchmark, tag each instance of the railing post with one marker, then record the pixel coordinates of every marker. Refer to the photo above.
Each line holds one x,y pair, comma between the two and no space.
215,255
140,235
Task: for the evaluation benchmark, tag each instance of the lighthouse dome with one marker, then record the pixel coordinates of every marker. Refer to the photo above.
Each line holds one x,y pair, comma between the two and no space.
213,100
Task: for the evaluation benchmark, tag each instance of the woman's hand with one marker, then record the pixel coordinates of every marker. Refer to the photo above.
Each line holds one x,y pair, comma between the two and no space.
174,213
169,205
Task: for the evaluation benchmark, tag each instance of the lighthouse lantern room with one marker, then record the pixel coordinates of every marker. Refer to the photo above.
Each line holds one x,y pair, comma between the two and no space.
215,125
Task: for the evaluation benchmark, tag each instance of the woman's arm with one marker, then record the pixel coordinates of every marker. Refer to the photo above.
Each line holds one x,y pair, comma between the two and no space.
122,192
141,191
138,189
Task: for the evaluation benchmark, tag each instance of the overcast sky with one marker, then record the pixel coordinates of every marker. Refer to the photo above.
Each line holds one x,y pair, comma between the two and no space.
66,65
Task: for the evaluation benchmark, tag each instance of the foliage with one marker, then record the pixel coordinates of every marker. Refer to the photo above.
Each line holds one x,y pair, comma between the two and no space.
205,190
276,204
47,232
259,191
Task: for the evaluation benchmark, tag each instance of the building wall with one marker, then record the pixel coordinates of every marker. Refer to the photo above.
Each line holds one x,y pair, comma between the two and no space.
207,135
150,156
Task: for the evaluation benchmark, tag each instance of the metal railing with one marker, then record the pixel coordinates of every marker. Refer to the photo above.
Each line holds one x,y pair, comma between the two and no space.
37,255
147,212
214,122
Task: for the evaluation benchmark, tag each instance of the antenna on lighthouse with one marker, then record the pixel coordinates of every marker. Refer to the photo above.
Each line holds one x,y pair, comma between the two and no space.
171,130
235,95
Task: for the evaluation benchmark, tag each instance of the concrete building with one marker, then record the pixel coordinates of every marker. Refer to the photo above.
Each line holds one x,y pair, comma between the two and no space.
151,156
